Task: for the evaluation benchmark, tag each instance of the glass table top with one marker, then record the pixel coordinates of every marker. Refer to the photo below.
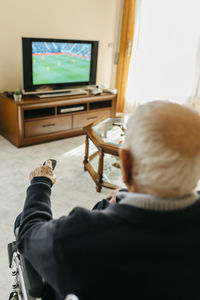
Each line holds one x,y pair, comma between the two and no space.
111,130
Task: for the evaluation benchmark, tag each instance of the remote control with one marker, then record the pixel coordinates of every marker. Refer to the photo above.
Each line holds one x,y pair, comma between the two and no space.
53,161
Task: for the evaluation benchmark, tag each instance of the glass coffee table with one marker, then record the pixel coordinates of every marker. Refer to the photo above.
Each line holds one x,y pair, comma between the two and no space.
103,140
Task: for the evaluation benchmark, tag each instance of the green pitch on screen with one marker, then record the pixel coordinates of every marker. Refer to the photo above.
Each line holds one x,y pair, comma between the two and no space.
60,68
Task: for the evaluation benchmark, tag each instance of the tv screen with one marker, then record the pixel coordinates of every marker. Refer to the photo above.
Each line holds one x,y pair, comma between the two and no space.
58,63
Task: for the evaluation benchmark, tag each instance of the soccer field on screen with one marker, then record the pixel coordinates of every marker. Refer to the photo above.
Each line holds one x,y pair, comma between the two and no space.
60,68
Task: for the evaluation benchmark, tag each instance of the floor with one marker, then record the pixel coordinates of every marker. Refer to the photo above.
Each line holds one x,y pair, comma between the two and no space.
74,187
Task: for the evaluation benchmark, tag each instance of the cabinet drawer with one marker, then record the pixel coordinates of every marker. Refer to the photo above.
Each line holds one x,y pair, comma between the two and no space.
39,127
81,120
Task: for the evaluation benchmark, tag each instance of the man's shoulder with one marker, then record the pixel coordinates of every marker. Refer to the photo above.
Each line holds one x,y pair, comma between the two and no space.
82,220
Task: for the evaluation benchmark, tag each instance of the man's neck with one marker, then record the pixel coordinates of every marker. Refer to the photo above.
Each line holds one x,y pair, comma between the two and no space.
153,202
154,192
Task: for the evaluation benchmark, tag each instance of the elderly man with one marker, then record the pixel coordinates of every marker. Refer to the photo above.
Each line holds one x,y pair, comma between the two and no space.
145,245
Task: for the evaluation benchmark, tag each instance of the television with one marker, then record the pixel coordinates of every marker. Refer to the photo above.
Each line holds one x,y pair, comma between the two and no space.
58,63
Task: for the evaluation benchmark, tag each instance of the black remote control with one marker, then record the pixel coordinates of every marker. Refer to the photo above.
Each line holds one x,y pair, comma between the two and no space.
54,162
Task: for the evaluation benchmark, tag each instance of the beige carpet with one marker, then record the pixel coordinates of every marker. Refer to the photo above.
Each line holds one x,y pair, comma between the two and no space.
74,187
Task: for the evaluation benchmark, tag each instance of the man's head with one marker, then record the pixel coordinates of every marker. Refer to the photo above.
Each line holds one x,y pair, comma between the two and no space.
161,152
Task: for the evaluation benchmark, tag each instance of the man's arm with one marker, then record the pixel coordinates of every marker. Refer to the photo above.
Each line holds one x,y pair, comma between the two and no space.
36,232
37,206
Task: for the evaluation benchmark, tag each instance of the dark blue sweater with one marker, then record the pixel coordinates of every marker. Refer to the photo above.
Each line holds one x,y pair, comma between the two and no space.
118,252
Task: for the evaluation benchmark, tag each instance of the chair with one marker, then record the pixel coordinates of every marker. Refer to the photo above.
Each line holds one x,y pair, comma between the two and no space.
27,284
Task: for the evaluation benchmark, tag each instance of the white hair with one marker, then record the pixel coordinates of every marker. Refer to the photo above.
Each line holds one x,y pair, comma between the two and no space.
157,166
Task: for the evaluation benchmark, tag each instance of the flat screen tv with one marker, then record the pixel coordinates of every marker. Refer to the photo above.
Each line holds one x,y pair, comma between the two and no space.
58,63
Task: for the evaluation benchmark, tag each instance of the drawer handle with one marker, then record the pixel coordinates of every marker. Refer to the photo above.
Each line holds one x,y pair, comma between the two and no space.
90,118
48,125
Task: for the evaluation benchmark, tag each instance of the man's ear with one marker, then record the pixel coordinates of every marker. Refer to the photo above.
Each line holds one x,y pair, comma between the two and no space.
127,166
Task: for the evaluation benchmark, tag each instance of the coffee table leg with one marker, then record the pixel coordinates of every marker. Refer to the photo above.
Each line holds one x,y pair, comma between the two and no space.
100,171
86,152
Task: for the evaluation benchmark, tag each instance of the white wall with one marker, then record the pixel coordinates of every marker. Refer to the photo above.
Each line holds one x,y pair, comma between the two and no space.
73,19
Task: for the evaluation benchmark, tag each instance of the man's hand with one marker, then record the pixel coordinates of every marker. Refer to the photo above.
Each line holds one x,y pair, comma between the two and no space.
44,170
112,196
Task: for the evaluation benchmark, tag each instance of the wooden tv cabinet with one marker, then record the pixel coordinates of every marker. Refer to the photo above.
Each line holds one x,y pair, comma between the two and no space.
34,120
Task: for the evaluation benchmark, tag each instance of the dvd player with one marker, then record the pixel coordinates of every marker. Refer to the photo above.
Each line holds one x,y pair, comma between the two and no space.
71,109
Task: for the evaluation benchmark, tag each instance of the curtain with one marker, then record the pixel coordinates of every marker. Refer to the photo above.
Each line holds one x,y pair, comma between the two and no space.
165,53
126,41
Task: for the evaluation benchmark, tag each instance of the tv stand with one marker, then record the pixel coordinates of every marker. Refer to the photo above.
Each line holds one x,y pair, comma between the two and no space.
35,120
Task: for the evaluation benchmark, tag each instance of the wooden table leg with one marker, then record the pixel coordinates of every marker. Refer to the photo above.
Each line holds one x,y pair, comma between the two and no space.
86,152
100,171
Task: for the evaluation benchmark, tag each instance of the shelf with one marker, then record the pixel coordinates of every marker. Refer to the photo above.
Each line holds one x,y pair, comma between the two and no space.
38,113
100,104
